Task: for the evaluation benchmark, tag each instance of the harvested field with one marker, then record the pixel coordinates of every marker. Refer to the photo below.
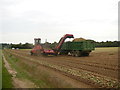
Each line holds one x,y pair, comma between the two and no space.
100,69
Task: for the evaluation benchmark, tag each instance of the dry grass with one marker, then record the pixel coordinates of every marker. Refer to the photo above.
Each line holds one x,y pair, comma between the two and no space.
106,49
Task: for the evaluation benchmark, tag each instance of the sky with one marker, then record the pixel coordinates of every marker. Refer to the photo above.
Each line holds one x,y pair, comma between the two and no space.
23,20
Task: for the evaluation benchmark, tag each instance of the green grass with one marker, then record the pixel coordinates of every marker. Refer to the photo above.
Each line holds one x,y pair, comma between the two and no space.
30,72
22,70
6,78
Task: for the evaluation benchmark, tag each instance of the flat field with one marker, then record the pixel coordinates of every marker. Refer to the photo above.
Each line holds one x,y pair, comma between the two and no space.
99,70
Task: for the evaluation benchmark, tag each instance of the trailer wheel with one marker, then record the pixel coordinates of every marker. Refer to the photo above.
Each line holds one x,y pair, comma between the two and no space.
73,53
77,53
86,54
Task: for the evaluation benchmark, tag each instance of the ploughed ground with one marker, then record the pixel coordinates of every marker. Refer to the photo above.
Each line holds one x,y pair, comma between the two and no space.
100,69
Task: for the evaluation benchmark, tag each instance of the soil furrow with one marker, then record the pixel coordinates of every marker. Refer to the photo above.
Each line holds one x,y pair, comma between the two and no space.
65,66
88,67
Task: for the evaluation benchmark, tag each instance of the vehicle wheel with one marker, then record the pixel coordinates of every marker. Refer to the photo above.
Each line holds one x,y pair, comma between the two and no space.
77,53
86,54
73,53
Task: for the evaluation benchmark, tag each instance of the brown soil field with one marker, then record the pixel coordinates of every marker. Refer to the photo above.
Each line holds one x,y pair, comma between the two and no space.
96,70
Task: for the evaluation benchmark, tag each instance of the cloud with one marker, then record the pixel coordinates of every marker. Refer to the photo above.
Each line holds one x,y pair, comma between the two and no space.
51,19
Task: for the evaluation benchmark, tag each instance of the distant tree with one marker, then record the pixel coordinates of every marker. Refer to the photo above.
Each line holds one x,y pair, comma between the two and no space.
27,46
53,45
22,46
107,44
4,45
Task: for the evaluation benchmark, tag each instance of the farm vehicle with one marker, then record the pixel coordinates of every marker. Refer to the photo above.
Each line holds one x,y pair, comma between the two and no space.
38,49
74,48
79,48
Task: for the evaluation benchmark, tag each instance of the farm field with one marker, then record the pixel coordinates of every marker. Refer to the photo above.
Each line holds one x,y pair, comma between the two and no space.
99,70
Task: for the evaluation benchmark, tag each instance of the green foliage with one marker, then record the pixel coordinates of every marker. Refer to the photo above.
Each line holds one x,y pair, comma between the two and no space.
53,45
107,44
22,69
22,46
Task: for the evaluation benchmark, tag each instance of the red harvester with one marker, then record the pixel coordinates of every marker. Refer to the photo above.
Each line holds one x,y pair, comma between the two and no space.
38,49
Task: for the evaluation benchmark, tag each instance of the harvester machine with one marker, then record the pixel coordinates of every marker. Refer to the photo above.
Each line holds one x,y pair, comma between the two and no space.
38,49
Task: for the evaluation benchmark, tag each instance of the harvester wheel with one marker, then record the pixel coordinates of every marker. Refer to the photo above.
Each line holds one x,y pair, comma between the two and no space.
73,53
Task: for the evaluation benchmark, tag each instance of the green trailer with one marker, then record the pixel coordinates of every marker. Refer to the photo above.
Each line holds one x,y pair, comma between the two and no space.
81,48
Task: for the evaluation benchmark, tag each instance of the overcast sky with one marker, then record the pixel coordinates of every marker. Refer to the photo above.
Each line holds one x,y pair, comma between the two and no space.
24,20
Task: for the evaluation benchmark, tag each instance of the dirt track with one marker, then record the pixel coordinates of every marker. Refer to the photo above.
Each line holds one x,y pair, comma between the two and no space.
99,64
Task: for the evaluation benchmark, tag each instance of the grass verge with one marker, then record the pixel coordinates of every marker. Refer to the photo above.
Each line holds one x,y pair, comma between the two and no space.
30,71
6,78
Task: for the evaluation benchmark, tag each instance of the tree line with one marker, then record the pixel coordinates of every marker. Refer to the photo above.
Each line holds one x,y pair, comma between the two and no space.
108,44
17,46
52,45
